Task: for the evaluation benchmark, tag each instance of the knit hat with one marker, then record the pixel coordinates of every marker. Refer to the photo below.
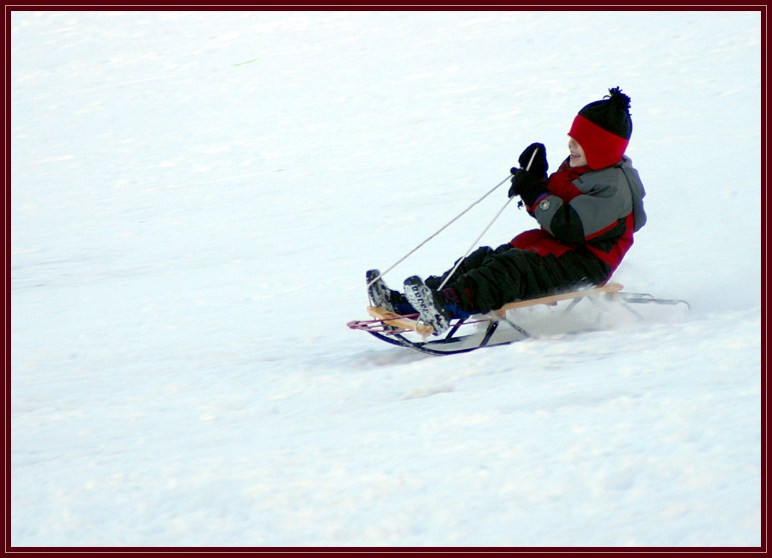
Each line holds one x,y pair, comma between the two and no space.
603,129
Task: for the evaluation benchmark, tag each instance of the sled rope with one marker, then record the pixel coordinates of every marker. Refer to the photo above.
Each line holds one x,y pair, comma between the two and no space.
485,230
445,226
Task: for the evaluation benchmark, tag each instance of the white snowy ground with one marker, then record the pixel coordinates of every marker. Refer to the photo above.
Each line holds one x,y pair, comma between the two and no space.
196,197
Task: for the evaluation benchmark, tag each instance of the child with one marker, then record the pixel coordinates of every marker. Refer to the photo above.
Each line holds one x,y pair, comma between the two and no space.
587,211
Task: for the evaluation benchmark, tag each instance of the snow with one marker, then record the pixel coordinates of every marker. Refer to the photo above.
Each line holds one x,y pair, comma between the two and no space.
197,195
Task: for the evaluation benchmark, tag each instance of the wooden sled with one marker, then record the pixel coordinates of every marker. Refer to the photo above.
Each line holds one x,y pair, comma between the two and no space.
413,324
398,329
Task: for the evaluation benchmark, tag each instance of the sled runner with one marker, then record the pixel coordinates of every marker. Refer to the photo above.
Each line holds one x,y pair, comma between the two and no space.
495,328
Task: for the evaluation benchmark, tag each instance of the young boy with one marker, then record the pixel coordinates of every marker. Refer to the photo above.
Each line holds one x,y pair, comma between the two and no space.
587,211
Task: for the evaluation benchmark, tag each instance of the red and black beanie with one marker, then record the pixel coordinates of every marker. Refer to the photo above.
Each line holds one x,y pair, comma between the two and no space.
603,129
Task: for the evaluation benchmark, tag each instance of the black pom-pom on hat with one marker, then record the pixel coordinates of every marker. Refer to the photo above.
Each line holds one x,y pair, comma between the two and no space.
618,98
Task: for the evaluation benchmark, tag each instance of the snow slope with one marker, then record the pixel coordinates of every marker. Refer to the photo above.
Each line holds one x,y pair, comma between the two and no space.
196,197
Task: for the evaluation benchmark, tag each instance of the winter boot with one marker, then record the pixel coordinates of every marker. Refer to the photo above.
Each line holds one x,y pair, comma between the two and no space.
384,297
429,304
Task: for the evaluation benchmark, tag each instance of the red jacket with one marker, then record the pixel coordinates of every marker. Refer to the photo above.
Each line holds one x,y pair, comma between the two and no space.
595,211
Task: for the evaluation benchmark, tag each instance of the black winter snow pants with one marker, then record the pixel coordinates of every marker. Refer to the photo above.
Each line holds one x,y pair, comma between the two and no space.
488,279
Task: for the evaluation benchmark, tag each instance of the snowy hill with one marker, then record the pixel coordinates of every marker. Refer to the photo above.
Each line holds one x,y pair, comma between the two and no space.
196,197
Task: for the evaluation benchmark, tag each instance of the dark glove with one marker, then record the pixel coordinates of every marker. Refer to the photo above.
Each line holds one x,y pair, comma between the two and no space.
539,166
528,186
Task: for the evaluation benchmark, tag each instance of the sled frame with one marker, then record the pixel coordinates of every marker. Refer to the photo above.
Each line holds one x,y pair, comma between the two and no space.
391,327
411,323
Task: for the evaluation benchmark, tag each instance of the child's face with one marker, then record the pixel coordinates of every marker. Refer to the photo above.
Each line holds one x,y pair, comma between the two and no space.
576,156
